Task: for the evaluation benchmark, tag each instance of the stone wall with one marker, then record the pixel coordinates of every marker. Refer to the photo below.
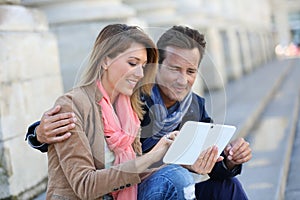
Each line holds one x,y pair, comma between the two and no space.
30,82
77,30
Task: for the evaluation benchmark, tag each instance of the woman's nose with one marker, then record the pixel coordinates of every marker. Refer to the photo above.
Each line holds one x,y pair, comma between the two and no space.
139,72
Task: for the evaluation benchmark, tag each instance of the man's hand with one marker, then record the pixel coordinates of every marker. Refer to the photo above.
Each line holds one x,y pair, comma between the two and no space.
237,152
55,127
206,161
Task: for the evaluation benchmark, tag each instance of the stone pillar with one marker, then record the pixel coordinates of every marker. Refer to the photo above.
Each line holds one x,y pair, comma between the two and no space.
234,70
213,69
76,23
254,49
270,45
280,14
264,47
259,47
30,82
246,51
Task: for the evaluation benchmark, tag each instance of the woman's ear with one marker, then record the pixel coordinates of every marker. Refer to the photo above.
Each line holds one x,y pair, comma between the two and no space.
106,62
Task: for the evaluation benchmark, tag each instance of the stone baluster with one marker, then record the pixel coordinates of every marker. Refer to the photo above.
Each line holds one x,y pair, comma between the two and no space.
246,51
213,69
234,71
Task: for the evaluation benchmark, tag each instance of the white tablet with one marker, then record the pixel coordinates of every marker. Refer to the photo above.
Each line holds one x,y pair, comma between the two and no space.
195,137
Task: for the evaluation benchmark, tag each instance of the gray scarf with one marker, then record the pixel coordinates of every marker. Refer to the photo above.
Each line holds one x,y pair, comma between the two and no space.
164,121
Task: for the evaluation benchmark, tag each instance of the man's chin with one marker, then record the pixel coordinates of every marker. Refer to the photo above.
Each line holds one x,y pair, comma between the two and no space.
177,98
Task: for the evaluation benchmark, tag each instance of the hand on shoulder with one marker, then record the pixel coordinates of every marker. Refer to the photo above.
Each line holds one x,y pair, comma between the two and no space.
54,126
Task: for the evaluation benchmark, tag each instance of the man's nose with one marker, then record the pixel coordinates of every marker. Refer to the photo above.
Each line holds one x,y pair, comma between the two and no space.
182,78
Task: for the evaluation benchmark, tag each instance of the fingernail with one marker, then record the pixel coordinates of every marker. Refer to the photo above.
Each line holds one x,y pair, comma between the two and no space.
74,119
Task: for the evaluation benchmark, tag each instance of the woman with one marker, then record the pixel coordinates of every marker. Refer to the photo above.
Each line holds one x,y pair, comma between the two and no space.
99,160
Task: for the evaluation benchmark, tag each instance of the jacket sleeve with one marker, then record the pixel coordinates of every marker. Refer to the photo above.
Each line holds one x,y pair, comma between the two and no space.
32,140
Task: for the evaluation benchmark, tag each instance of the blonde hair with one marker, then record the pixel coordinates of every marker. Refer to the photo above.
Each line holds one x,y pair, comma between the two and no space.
113,40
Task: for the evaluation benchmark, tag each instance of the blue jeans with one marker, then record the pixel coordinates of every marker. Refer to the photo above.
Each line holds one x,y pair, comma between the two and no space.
167,183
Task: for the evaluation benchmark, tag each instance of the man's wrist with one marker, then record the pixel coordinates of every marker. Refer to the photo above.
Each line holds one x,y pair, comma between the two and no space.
33,140
228,165
34,133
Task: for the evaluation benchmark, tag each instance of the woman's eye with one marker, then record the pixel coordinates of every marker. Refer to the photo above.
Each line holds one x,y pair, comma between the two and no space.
132,64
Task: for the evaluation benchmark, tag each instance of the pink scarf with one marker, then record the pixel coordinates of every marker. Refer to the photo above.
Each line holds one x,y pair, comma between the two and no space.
120,128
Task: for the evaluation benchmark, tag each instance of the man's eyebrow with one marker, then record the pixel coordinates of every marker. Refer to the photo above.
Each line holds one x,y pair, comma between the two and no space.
178,66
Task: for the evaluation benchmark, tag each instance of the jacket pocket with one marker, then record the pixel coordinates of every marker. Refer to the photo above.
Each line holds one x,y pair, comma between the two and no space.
63,194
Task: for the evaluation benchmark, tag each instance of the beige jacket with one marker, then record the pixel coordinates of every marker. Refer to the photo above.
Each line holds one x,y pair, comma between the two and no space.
76,166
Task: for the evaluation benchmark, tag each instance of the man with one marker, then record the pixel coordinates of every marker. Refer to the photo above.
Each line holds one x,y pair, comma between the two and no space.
170,105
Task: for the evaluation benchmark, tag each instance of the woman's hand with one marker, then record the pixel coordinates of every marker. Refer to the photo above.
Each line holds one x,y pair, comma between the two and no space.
55,127
160,149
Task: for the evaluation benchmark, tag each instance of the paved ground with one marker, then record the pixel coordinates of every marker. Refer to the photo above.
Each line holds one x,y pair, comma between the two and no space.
272,139
292,191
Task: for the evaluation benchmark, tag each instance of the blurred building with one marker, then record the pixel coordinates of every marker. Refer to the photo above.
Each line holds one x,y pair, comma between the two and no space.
286,27
286,16
44,44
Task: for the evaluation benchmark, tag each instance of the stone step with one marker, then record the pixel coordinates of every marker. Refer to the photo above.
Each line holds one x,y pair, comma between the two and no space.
271,139
242,101
292,191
